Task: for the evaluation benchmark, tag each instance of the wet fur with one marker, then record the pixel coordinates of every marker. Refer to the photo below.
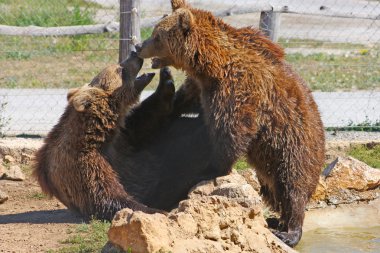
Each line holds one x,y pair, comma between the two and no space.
254,104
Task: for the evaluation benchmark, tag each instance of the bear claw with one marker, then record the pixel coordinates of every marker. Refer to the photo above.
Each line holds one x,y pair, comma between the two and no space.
290,238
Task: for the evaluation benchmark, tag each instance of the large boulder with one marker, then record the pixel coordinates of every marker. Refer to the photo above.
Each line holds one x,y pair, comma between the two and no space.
346,180
221,215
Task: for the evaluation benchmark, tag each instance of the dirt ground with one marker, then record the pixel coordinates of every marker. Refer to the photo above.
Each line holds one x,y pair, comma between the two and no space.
31,222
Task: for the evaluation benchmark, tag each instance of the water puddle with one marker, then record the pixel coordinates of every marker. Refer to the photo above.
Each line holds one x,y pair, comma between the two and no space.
340,240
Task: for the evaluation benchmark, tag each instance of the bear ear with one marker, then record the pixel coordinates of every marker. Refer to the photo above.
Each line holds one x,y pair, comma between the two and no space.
71,93
186,20
176,4
81,101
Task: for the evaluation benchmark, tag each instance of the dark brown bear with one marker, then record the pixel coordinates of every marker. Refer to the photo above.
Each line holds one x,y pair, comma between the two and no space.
72,164
254,105
161,160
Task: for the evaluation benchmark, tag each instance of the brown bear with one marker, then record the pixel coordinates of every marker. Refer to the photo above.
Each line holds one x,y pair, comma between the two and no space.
72,164
254,104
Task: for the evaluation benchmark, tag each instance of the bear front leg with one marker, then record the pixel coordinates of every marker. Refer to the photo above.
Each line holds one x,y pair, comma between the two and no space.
187,99
292,216
146,119
106,209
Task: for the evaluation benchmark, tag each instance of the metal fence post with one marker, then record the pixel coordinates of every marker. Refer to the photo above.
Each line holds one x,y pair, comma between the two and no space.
270,24
129,26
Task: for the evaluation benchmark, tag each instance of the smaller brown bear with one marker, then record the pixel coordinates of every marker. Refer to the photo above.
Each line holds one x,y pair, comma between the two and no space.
71,165
253,103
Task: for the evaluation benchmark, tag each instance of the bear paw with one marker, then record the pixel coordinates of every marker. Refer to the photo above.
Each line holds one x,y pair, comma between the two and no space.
290,238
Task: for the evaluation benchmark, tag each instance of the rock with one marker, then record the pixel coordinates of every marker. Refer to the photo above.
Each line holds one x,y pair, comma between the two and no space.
221,215
14,173
2,171
250,176
347,180
21,149
9,159
3,197
26,158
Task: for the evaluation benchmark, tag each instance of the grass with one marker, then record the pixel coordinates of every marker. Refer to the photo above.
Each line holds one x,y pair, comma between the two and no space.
46,13
325,72
71,61
369,154
366,126
85,238
241,164
38,195
307,43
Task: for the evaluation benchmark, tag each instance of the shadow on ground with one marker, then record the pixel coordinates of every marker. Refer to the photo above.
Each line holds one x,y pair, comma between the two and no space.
42,217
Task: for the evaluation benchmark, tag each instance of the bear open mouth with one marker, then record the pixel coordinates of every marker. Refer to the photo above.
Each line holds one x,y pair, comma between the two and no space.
156,63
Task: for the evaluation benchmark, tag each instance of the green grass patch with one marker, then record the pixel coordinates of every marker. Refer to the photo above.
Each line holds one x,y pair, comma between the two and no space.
25,48
46,13
325,72
241,164
85,238
366,126
369,154
38,195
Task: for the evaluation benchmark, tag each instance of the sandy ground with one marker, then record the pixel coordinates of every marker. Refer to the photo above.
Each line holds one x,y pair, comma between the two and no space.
29,223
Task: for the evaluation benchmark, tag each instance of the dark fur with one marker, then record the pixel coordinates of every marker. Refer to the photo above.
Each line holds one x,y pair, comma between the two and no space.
173,154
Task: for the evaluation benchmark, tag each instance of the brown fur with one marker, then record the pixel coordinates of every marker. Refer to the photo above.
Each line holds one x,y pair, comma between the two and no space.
71,165
254,105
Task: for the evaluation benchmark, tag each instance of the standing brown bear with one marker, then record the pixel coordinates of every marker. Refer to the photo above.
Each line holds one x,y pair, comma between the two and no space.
254,104
72,165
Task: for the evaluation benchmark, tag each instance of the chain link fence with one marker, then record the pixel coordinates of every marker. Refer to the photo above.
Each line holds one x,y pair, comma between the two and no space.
49,46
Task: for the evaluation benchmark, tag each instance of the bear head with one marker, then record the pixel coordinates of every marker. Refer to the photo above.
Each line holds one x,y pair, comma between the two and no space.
115,82
169,44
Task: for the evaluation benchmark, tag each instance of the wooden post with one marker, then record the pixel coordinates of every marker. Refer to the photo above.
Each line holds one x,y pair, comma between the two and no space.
129,27
270,24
